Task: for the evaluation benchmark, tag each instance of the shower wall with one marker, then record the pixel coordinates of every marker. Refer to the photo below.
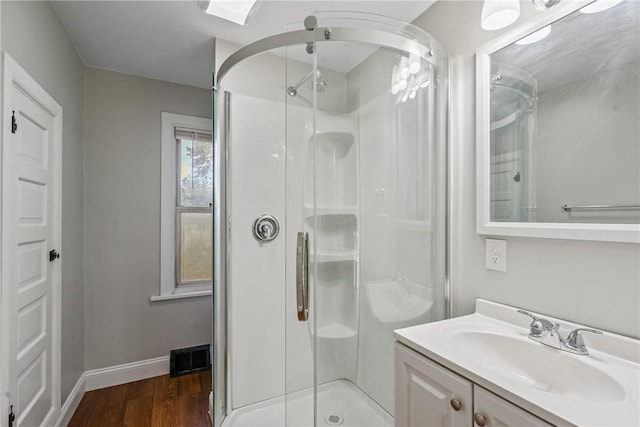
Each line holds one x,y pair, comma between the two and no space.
256,291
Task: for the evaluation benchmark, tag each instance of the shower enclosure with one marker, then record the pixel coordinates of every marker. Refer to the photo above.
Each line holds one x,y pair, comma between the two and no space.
329,218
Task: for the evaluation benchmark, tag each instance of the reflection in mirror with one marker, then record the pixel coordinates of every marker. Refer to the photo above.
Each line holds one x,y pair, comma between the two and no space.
565,121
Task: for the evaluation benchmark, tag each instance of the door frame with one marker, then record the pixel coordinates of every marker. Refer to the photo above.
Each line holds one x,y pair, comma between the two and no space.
14,75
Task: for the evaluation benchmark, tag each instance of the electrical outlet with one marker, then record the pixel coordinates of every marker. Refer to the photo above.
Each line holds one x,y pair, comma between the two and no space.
496,255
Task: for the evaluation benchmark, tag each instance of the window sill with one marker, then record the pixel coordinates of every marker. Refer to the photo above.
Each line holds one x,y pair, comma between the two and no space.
181,295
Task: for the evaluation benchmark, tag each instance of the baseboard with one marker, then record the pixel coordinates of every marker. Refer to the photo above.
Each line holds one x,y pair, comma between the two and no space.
211,406
122,374
72,402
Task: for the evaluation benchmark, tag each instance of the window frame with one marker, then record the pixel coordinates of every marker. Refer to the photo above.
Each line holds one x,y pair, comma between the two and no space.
169,288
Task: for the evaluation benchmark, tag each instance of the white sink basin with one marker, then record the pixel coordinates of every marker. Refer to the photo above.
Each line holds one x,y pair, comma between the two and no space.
492,349
538,366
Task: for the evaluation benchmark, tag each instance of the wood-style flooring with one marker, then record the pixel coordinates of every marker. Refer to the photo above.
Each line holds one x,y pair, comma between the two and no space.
160,401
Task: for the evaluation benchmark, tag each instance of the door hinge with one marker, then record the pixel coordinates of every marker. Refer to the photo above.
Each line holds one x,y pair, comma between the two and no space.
14,123
53,255
12,416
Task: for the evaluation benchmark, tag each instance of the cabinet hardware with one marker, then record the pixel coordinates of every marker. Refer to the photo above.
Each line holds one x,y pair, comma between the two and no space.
479,419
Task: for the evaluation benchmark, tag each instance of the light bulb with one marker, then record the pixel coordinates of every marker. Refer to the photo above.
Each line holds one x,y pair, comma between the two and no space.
395,89
412,95
498,14
535,37
402,85
599,6
414,68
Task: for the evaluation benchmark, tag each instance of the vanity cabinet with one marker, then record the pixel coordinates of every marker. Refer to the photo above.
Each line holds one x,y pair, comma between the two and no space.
491,410
428,394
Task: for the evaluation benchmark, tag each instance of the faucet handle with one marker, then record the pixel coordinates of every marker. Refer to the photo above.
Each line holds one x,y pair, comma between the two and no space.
538,326
575,342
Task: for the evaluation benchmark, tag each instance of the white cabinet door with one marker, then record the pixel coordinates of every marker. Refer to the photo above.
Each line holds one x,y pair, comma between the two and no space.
493,411
427,393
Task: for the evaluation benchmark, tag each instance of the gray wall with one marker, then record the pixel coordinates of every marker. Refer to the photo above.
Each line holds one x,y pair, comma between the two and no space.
35,38
588,134
122,221
588,282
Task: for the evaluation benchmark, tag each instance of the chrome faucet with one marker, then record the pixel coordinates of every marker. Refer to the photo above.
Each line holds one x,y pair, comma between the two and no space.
548,333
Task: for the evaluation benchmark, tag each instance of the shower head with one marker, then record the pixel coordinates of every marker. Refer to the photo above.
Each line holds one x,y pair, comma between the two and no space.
321,85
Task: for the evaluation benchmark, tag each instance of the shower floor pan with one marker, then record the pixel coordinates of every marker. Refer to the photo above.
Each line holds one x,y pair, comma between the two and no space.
339,403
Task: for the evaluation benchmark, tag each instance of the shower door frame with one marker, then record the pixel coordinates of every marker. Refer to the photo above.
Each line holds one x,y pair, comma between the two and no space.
220,405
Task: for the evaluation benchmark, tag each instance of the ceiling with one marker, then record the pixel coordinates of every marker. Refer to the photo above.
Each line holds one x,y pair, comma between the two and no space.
172,40
580,46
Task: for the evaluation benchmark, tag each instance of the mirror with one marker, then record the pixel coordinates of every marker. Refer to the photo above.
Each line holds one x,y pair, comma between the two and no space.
559,125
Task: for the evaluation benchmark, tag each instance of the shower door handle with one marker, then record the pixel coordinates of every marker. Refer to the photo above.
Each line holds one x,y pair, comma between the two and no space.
302,276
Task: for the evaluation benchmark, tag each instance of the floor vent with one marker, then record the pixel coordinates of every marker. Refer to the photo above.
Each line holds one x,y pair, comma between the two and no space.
190,360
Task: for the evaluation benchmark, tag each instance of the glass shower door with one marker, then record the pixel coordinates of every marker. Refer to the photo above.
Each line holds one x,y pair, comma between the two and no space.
379,219
299,320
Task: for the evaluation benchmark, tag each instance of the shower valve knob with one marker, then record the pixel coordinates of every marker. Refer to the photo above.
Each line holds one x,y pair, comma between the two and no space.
265,228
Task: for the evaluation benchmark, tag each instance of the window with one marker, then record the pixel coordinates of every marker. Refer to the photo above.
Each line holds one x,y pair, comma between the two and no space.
186,207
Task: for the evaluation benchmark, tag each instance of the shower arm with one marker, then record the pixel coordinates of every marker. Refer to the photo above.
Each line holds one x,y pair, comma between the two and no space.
301,82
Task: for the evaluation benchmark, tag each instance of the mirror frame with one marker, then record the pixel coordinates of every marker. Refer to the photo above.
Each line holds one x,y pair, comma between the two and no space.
629,233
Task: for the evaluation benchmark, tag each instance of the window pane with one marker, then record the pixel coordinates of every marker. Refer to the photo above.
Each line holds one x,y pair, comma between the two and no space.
195,246
196,172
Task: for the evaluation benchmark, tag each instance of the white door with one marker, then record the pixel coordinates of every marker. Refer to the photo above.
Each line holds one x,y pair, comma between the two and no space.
31,156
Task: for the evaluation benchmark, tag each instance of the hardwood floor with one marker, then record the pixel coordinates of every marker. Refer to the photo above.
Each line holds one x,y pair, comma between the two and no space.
160,401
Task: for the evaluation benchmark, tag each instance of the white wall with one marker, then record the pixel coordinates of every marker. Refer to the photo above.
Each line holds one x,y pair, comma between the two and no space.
35,38
122,221
592,283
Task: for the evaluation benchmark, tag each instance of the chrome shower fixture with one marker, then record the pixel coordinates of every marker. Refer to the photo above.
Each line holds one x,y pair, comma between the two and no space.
321,85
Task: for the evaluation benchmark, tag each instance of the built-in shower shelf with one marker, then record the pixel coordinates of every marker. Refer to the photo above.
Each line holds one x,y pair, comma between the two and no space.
334,256
330,210
336,330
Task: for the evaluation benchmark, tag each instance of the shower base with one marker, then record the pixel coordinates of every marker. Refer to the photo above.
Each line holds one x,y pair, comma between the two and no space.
339,403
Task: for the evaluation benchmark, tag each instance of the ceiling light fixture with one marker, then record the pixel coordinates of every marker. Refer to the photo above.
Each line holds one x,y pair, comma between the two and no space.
599,6
498,14
545,5
238,11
